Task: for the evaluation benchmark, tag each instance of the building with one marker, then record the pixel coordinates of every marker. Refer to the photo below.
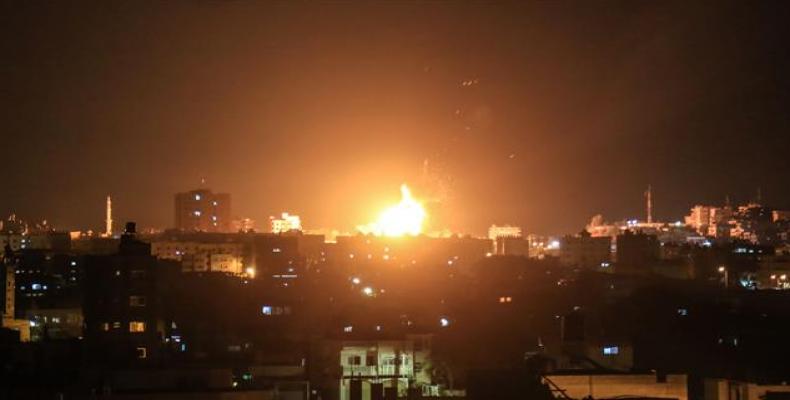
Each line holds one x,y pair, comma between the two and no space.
498,234
203,211
386,366
781,215
754,223
55,323
585,251
286,223
244,225
125,312
636,252
8,280
613,386
201,253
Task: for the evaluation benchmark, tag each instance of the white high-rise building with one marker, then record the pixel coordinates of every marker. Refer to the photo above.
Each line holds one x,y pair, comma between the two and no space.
286,223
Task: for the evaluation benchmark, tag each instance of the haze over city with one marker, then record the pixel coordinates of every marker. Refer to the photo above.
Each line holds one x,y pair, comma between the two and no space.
535,114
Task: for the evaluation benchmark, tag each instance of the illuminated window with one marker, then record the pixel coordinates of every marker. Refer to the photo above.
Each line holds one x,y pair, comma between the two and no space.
348,329
136,326
142,352
266,310
197,197
197,213
116,325
611,350
105,326
137,301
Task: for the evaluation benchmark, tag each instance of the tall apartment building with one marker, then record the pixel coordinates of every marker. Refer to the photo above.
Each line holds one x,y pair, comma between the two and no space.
202,210
586,251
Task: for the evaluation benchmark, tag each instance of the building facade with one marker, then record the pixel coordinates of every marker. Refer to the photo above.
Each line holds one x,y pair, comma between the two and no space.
202,210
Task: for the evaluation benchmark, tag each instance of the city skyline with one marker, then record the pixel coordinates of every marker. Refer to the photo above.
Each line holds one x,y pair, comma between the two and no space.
395,200
533,114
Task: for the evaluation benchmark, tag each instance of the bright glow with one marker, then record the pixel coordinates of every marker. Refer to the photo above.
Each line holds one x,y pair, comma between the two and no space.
722,269
405,218
250,271
444,322
356,280
368,291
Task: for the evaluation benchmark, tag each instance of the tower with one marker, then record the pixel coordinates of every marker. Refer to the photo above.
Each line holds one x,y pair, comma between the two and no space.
108,222
649,198
8,280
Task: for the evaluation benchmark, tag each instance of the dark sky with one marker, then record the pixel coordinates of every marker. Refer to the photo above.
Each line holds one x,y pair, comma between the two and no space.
324,109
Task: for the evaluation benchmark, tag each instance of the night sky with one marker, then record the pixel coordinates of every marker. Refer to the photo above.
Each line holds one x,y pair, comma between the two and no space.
569,109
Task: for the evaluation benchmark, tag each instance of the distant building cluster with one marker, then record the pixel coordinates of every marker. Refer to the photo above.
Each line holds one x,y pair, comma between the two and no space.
214,307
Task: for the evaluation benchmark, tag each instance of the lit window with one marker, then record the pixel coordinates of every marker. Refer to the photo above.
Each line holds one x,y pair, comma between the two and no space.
266,310
105,326
136,326
276,250
197,197
142,352
197,213
116,325
348,329
683,312
214,203
611,350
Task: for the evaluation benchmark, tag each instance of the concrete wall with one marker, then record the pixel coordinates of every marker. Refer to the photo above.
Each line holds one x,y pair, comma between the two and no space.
722,389
611,386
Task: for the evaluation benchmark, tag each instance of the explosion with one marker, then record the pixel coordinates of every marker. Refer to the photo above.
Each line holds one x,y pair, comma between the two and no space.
404,218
